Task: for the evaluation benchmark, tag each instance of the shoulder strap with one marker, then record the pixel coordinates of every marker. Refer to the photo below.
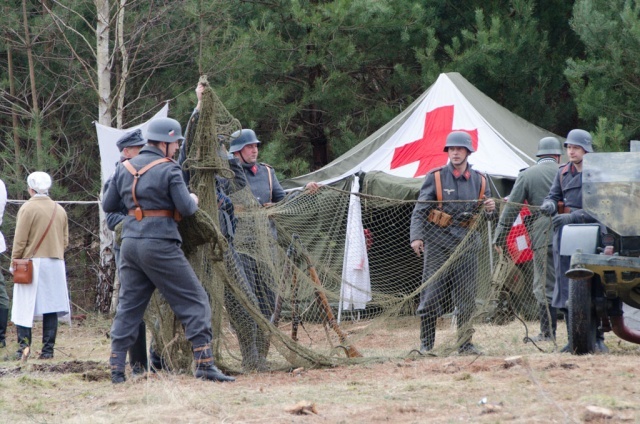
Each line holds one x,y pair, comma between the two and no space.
483,187
137,174
268,168
55,209
436,175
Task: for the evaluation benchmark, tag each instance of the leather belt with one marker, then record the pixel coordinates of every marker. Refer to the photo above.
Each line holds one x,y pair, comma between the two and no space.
151,213
466,224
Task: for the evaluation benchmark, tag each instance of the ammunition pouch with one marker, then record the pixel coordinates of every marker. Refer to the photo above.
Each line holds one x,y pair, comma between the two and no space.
439,218
562,208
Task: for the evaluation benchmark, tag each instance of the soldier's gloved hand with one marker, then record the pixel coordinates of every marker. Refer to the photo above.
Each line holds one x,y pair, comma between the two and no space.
548,207
562,219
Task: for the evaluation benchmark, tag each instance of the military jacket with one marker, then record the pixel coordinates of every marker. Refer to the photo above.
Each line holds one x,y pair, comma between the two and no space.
567,187
532,186
257,175
455,186
160,188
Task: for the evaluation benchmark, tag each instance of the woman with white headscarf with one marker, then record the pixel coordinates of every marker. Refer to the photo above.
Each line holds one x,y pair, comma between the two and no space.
47,295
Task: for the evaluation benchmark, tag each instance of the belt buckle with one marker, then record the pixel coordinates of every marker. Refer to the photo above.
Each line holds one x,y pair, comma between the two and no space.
138,214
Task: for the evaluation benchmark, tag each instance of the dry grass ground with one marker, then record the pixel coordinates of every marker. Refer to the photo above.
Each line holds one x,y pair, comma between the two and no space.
537,387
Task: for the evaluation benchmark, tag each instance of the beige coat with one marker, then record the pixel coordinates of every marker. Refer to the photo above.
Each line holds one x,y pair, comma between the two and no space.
32,220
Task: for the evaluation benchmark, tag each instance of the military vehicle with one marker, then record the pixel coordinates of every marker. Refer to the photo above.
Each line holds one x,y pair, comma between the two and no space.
605,258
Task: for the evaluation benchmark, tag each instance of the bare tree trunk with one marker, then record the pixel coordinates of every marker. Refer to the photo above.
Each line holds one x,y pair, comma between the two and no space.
124,58
106,273
14,122
37,119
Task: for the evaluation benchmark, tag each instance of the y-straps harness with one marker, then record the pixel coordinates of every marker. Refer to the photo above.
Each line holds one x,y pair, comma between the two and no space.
436,174
138,212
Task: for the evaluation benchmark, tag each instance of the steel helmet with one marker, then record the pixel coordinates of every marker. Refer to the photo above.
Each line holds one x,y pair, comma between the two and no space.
165,130
580,138
459,139
549,146
241,138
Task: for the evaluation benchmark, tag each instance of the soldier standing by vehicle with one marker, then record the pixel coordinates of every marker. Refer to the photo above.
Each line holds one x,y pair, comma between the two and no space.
564,203
153,190
437,228
129,146
532,186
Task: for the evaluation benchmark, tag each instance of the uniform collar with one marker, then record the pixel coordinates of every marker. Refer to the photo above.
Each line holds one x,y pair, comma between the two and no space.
252,167
457,174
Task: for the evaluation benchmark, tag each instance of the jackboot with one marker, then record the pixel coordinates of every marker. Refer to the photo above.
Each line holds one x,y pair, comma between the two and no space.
138,351
465,332
600,346
24,340
205,369
427,332
4,320
548,324
118,361
263,342
251,360
49,332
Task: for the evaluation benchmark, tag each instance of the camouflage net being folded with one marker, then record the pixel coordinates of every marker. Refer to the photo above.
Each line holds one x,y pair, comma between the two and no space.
315,305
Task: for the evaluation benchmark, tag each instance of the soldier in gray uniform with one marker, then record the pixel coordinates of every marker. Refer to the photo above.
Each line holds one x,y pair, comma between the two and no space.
249,334
437,229
564,203
266,190
129,146
532,186
150,251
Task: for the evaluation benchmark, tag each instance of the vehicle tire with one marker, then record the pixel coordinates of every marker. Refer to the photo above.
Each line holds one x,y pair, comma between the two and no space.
582,317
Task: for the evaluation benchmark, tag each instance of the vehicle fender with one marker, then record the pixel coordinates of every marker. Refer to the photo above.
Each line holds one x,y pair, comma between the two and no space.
583,237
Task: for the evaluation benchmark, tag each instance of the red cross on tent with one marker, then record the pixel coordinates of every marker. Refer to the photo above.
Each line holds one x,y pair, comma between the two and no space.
429,149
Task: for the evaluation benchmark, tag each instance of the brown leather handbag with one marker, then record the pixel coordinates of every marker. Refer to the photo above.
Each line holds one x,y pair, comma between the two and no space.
23,268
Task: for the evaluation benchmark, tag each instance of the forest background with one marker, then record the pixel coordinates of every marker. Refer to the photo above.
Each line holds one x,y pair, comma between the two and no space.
311,77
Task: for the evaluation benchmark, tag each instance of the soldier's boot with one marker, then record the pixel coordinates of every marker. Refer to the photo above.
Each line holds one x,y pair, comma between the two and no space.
600,346
465,332
138,352
251,360
548,324
205,369
117,361
24,342
427,332
4,320
49,333
263,342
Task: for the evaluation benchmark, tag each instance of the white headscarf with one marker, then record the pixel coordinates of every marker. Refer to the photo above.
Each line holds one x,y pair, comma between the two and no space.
40,182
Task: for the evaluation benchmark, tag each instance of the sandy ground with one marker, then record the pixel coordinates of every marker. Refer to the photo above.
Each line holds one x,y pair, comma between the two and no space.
532,387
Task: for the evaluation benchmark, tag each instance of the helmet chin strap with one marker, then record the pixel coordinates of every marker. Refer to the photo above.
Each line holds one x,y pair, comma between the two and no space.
242,157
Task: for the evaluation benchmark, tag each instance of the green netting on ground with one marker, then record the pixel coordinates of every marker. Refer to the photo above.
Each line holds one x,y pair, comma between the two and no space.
311,287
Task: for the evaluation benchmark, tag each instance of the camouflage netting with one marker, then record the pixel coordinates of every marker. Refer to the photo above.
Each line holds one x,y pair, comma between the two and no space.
320,309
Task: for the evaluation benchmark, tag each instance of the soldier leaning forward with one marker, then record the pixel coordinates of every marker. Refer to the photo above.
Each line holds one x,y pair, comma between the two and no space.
153,190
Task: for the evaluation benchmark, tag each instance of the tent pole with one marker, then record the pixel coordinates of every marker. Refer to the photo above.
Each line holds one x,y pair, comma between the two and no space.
490,237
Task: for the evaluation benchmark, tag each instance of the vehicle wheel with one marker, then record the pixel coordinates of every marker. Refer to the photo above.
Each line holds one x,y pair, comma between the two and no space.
582,317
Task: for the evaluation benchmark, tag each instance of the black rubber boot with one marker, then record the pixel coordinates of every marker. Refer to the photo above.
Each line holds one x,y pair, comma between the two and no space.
600,346
49,332
24,340
548,324
569,346
427,332
4,320
138,351
263,342
117,361
251,359
205,369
